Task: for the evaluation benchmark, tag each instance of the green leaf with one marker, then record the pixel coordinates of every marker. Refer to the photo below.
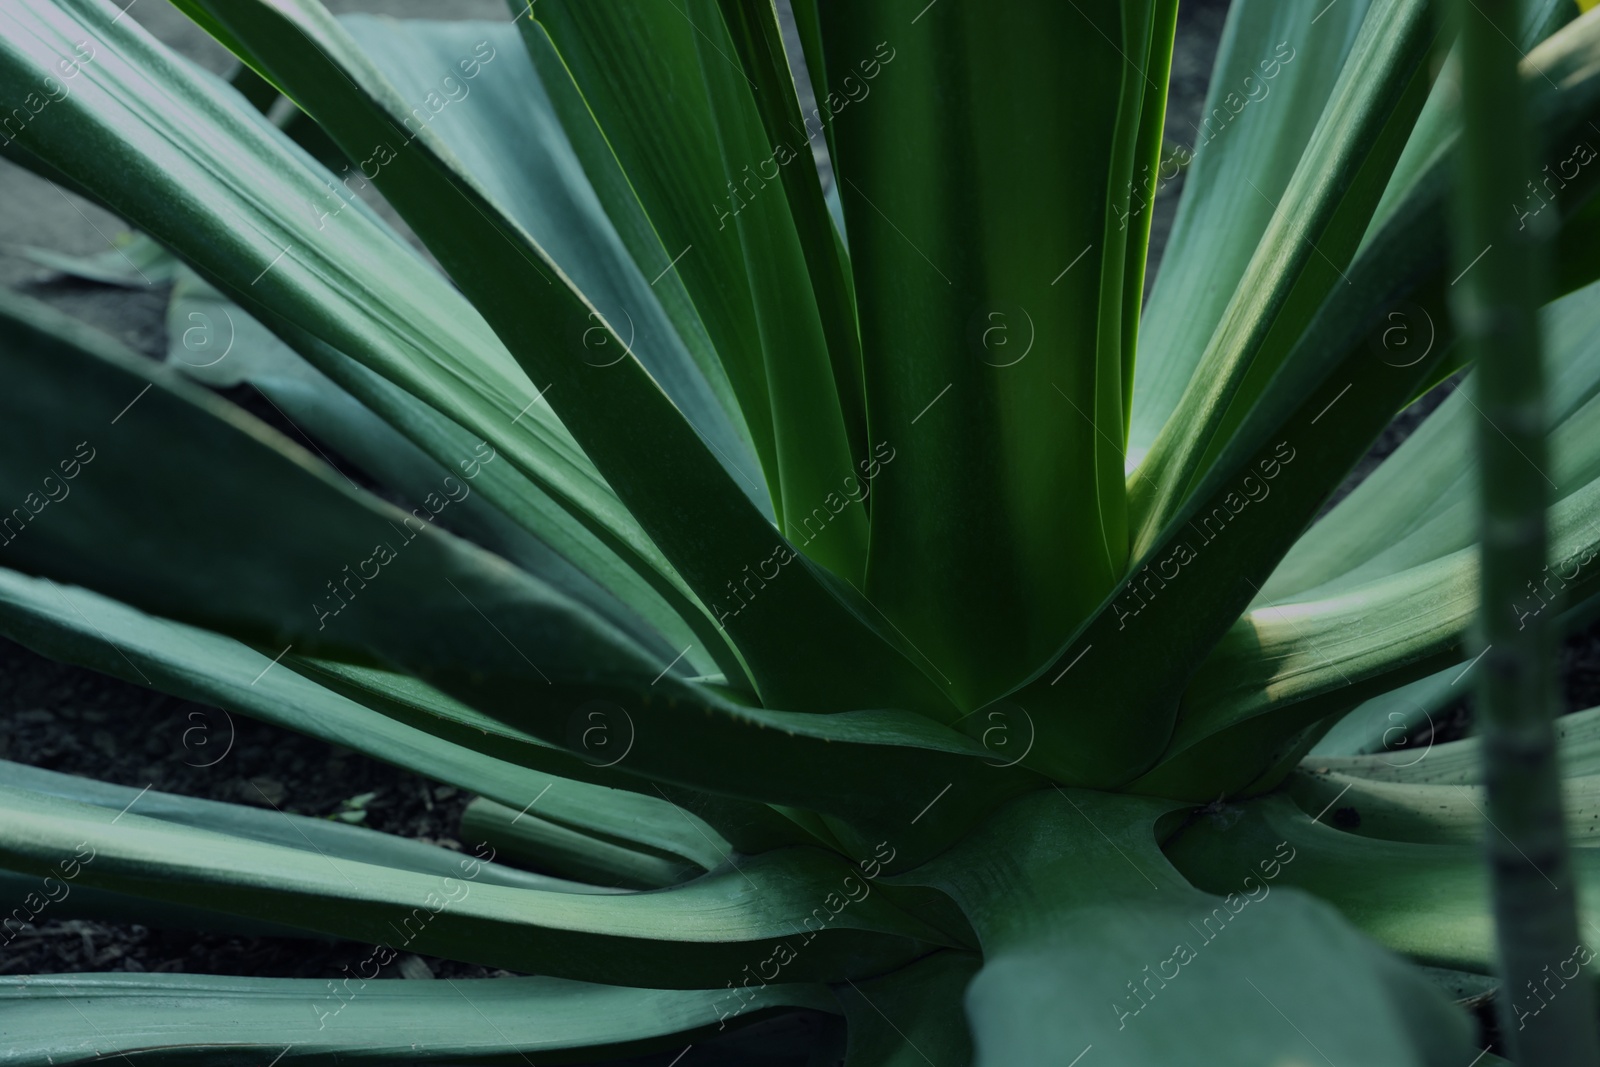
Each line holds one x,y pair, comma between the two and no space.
386,716
504,131
754,30
81,627
1143,179
647,451
1279,468
1269,51
1441,116
216,342
903,1019
1417,506
1459,762
1404,610
989,263
808,27
276,827
835,764
1258,701
1384,723
109,906
594,804
275,229
1092,941
1305,249
1288,665
809,341
205,1019
258,555
1427,813
625,212
134,262
1429,902
613,59
643,822
692,936
700,159
545,845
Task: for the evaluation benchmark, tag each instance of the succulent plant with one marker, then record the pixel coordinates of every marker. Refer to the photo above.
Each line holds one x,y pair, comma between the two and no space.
875,629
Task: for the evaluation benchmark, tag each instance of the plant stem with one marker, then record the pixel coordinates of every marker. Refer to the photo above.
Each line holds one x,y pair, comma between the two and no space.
1496,306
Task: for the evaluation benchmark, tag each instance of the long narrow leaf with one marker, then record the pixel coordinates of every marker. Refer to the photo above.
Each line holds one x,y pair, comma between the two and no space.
335,573
1275,73
989,266
1268,485
205,1020
695,935
627,425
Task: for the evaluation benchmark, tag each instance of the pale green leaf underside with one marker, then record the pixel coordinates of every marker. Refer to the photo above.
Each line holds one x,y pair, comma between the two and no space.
203,1019
1432,813
1269,51
1166,974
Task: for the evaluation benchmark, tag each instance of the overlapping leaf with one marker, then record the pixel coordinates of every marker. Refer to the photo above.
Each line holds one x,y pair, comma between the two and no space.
991,272
1092,940
284,551
1140,649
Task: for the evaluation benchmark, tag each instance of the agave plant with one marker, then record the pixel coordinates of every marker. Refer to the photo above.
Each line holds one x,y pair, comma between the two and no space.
873,630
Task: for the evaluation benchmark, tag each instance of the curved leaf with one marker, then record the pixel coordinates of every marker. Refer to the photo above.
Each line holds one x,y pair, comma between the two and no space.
134,262
644,243
1278,470
755,29
545,845
647,451
324,837
354,286
613,59
205,1019
386,716
504,131
257,557
1294,663
1292,55
1429,902
1430,813
692,936
1459,762
1384,723
216,342
1440,117
1421,498
750,826
1304,250
1091,940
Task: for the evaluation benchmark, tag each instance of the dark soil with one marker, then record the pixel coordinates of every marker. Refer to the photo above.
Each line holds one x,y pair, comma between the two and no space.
76,721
